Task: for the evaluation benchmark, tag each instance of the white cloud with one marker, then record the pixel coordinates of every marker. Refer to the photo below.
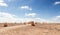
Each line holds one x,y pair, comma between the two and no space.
41,20
30,14
35,19
56,18
7,17
57,3
2,3
26,7
3,14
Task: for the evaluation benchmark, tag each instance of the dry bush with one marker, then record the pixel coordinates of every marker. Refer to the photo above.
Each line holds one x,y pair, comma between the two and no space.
35,22
5,25
24,23
32,23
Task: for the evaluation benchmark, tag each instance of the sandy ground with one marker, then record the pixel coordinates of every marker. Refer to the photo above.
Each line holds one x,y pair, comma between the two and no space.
30,30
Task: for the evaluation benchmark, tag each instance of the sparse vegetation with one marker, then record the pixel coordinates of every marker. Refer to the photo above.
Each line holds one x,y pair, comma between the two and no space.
24,23
32,23
5,25
32,28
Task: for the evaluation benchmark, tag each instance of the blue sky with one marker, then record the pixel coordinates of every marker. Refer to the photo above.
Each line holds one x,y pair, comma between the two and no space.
43,10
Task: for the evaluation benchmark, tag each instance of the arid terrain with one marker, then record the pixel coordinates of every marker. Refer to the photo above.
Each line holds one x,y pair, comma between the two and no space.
29,29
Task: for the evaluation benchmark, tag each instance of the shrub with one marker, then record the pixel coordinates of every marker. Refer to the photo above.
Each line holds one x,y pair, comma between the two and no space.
5,25
24,23
32,23
35,22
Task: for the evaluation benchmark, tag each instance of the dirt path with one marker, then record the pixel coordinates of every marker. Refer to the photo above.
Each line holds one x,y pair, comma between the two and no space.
12,27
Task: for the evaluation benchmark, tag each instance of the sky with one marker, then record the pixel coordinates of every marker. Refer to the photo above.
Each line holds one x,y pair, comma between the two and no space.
29,10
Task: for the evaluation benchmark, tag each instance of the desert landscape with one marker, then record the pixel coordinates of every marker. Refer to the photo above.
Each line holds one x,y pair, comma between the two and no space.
30,28
29,17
